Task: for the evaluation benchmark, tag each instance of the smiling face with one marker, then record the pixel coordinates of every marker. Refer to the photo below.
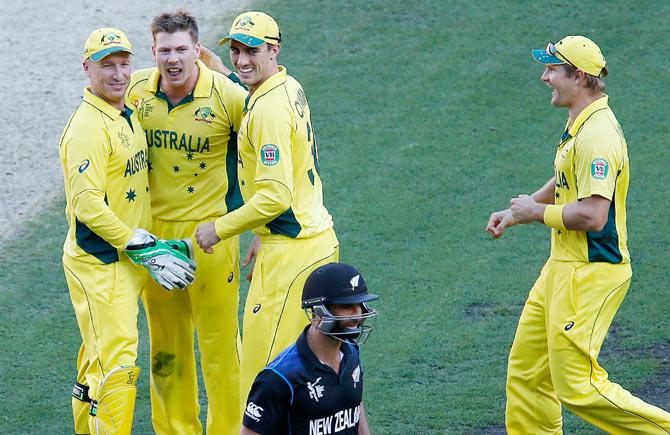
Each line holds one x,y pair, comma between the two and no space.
254,64
110,77
175,55
564,86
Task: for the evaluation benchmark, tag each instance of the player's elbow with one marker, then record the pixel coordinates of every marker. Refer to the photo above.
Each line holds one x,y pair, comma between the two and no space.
595,222
274,200
279,205
87,208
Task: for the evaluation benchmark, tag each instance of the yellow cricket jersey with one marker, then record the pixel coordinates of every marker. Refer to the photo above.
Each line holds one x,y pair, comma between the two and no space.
104,157
192,145
278,165
592,159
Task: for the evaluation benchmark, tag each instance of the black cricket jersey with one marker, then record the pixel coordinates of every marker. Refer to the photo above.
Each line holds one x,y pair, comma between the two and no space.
297,394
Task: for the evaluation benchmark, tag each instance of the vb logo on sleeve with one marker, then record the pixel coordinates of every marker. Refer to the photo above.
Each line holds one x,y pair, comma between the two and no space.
269,154
599,168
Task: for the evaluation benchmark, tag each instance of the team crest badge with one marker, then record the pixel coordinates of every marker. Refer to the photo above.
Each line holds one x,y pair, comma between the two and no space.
269,154
599,169
110,38
204,114
244,22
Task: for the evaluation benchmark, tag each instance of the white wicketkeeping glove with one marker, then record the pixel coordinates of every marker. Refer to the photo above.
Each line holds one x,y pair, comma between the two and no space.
169,267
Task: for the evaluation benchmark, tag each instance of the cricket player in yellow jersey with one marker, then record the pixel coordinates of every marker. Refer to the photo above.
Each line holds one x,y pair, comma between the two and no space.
191,116
554,358
103,153
283,199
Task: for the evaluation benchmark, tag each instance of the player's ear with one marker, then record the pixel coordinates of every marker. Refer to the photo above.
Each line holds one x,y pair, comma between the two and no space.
84,65
153,51
197,50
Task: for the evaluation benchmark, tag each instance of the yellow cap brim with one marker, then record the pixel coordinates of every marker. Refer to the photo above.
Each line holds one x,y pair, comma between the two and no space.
99,55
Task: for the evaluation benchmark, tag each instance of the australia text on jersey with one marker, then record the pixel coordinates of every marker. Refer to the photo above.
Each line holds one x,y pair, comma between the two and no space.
173,140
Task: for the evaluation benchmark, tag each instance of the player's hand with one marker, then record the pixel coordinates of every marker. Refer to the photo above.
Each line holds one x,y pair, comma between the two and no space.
168,266
525,209
254,246
499,221
206,237
213,61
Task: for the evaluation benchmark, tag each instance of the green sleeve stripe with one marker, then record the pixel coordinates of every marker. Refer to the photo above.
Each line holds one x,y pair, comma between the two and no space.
233,195
93,244
285,224
604,245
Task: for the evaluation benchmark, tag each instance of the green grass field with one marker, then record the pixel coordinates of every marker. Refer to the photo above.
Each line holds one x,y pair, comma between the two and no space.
430,115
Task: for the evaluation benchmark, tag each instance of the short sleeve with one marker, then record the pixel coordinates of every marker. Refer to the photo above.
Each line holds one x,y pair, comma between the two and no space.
268,403
598,161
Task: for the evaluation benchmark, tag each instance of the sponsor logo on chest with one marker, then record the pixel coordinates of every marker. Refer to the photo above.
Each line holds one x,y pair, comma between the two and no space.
253,411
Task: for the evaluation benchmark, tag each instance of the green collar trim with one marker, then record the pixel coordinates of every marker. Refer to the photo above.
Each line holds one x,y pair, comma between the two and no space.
187,99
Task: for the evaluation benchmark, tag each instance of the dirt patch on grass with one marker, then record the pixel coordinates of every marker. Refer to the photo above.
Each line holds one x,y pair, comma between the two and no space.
43,46
657,391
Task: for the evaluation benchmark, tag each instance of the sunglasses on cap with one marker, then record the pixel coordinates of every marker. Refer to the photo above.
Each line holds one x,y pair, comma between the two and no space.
552,50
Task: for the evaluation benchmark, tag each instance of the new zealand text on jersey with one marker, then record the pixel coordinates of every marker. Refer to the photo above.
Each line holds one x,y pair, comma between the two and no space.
136,163
174,141
344,419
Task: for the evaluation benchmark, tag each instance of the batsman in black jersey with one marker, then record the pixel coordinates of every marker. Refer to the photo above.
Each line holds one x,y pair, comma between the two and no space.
315,386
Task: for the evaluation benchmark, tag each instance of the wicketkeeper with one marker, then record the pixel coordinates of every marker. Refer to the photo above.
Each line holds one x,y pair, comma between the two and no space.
103,153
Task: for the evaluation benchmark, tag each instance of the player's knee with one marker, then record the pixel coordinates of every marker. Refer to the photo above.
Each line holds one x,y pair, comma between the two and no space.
574,394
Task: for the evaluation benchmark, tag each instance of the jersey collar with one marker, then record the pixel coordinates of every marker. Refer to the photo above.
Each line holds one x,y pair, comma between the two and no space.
310,359
270,83
600,103
203,87
101,104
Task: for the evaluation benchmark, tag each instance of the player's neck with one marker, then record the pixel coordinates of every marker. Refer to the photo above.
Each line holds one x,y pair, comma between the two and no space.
326,349
177,93
272,71
119,104
581,102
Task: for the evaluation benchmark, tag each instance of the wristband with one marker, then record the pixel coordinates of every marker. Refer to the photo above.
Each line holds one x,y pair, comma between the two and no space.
553,217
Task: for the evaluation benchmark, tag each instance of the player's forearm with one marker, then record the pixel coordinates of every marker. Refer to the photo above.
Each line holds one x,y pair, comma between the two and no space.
91,210
261,208
589,214
546,194
246,431
363,428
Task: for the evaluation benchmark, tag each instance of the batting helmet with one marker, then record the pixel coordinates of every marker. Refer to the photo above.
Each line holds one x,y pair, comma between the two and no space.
338,284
